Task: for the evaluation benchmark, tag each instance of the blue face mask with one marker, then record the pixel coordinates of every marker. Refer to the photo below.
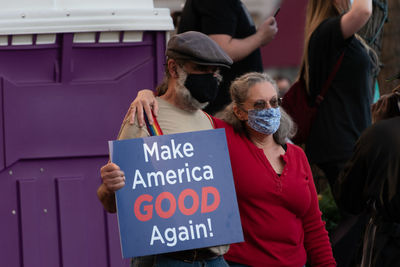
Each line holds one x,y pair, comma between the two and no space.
264,121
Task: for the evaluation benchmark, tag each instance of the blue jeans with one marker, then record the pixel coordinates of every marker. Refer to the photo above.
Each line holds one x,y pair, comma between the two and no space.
162,261
234,264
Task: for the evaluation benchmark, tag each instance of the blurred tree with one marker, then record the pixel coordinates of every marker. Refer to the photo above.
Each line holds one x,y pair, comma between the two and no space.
390,55
372,33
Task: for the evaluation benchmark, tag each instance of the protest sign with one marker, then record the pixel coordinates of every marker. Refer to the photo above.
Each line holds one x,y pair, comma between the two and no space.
179,193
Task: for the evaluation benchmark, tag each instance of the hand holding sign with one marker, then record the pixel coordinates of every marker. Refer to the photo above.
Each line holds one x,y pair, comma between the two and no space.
113,178
179,193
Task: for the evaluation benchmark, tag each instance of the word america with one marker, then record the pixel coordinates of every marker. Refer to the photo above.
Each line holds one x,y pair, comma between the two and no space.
174,151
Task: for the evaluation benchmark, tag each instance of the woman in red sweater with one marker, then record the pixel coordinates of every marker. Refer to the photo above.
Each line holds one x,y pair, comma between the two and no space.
277,199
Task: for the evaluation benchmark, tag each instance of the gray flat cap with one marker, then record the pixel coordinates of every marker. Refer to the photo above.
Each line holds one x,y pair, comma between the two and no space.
199,48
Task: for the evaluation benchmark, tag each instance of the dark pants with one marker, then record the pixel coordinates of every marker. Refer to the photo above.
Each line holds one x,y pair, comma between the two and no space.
163,261
332,171
234,264
347,238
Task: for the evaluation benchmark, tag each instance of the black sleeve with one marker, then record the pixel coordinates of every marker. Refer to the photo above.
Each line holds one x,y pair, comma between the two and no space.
325,46
373,172
218,16
364,175
328,35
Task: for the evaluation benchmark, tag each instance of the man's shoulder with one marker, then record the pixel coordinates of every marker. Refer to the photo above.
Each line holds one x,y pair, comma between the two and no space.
130,131
173,119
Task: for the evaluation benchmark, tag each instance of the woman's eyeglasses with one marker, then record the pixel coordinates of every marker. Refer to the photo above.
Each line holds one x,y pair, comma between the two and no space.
262,104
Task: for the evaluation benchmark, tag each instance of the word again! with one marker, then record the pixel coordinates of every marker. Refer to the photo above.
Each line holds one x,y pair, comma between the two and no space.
147,212
182,233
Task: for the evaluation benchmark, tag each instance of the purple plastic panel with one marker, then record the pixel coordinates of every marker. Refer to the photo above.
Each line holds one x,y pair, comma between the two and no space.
160,47
64,67
59,106
2,152
10,249
29,221
75,119
114,241
73,237
59,219
111,62
28,64
66,121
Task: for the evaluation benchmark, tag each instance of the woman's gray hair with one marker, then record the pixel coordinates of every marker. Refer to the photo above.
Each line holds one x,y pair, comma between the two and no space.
239,91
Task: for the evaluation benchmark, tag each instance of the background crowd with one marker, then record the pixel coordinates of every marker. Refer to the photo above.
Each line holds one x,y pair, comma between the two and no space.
279,212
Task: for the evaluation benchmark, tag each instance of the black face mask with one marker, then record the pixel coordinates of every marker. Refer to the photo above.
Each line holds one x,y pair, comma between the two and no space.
203,87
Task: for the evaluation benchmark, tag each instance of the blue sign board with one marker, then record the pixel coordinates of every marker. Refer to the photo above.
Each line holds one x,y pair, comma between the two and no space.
179,193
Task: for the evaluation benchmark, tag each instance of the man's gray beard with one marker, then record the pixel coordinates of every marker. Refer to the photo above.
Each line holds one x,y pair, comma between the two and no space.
183,96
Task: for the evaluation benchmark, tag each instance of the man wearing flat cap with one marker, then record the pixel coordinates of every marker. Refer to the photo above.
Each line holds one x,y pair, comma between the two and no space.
190,83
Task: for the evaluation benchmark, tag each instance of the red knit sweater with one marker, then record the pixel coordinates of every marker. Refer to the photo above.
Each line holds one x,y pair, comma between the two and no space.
280,216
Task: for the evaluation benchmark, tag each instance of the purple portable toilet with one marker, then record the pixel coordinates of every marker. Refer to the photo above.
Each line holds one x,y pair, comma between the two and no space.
68,71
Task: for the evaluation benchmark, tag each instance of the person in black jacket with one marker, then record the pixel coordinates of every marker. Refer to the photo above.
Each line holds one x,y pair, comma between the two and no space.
370,184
